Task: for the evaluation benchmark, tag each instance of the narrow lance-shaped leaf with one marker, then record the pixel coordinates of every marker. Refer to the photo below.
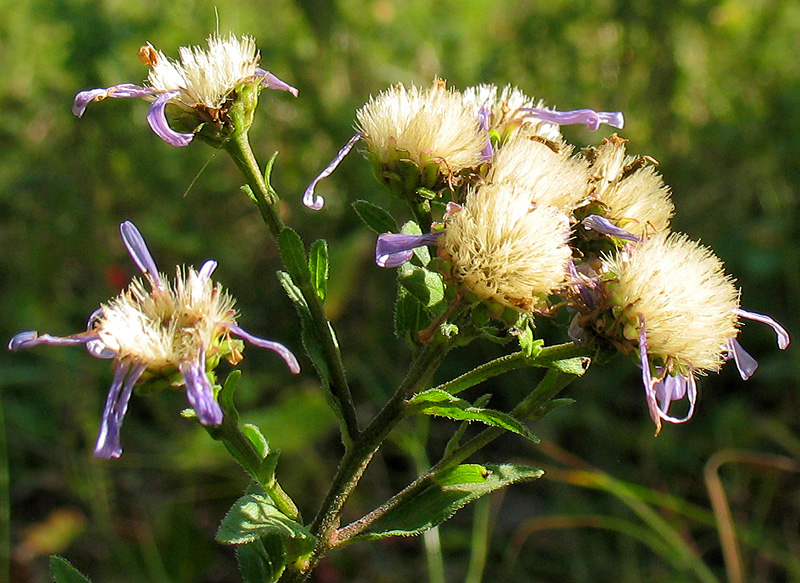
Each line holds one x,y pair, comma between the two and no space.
438,498
375,217
294,256
318,266
442,404
63,572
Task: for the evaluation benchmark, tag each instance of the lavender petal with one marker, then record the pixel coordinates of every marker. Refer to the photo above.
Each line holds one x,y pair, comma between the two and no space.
199,391
746,364
606,227
31,338
206,270
137,248
314,201
588,117
125,376
123,90
674,388
270,81
395,249
286,354
157,118
647,380
780,331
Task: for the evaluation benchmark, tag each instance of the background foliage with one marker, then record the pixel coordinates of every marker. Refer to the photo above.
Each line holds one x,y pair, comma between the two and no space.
709,89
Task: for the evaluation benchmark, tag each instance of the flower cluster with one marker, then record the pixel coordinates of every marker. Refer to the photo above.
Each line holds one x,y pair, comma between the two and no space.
176,330
533,221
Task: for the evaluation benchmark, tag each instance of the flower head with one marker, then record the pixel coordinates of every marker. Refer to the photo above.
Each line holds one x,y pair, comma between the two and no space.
668,301
628,190
552,179
503,248
182,327
203,86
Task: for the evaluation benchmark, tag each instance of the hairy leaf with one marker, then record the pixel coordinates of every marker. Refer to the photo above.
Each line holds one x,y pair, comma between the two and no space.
375,217
63,572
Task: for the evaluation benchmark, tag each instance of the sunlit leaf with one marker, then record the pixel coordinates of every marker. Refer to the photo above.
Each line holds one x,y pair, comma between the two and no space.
63,572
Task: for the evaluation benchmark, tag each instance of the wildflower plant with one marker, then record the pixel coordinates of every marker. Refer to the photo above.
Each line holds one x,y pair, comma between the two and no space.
508,223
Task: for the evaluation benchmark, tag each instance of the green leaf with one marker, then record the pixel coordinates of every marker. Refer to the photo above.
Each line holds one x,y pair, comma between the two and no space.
254,516
375,217
425,285
438,498
574,366
293,254
63,572
257,438
442,404
318,265
409,315
527,343
266,474
262,561
225,396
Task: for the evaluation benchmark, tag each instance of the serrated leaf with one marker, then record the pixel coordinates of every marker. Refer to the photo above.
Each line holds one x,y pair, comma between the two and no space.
574,366
442,404
438,498
425,285
318,266
375,217
409,315
254,516
63,572
293,254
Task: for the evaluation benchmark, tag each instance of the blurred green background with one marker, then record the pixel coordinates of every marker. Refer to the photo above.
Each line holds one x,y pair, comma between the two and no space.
709,89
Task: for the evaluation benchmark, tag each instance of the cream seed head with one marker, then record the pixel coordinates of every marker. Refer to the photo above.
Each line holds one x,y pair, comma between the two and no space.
503,248
552,179
162,328
686,300
423,125
205,76
632,192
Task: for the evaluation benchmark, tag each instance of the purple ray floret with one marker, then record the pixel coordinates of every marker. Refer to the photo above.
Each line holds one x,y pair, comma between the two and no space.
137,249
605,226
157,119
590,118
314,201
395,249
283,352
125,377
270,81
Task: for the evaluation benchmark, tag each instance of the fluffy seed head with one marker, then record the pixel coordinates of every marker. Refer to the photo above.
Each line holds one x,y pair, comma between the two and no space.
165,327
552,179
205,77
503,248
633,193
422,125
687,301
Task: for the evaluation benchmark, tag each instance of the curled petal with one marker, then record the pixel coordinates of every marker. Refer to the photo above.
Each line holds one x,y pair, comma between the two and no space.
780,331
395,249
314,201
606,227
270,81
31,338
157,119
137,248
746,364
83,98
588,117
206,270
674,388
125,376
286,354
647,380
199,391
97,347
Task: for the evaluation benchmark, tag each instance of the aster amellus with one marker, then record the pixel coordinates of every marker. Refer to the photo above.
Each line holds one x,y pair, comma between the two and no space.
668,300
182,326
202,85
425,131
627,191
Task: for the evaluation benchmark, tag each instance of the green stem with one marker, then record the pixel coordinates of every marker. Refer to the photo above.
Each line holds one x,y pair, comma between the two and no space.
245,452
267,201
532,407
356,459
509,362
479,545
